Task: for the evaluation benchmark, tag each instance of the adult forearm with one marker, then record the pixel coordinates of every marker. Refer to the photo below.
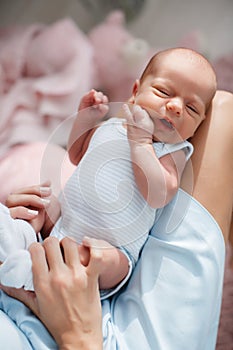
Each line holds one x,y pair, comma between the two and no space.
89,346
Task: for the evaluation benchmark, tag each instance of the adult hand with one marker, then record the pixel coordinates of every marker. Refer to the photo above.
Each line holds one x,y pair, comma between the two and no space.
66,297
36,205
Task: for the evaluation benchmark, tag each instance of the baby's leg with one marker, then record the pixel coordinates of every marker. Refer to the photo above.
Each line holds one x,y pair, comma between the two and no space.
14,234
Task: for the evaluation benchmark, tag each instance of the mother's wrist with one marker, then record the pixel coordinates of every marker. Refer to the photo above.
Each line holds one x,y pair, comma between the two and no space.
86,342
83,346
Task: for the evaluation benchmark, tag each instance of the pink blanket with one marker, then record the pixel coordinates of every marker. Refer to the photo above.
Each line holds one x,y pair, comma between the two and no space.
44,71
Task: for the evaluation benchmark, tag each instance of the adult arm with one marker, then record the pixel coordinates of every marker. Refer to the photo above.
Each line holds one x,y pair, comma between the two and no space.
211,165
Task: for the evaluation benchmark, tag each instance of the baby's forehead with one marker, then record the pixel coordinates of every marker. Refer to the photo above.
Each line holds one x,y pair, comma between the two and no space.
179,60
180,55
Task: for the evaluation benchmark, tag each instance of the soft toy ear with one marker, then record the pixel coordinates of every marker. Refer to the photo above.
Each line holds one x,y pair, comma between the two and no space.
135,53
119,58
44,58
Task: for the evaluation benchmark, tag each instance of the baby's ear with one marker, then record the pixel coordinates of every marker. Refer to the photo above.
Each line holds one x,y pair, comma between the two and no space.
204,116
134,91
135,87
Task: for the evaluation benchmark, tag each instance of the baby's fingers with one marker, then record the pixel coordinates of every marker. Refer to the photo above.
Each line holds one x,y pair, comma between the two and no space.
99,98
139,114
128,114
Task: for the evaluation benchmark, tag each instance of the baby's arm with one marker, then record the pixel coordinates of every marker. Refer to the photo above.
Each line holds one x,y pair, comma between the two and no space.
91,111
157,179
114,263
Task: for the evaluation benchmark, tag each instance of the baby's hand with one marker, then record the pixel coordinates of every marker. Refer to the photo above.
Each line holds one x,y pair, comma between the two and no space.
94,99
140,127
93,108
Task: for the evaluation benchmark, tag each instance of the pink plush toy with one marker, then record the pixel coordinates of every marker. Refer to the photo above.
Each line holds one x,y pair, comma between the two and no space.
44,71
119,58
59,81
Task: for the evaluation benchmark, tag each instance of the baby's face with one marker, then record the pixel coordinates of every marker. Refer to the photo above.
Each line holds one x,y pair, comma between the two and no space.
176,96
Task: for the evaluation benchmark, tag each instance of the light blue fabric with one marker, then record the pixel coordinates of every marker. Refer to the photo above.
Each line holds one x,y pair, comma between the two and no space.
173,299
27,330
10,336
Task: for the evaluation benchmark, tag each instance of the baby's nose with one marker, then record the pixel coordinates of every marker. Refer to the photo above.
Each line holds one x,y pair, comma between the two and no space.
175,106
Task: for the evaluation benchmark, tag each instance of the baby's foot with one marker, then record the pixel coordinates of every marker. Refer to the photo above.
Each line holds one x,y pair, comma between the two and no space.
16,271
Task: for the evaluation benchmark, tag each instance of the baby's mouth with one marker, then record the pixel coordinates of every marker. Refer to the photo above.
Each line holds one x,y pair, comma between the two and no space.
167,123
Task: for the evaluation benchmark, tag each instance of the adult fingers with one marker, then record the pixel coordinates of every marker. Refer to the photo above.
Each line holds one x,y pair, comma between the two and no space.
53,252
27,194
39,263
34,189
23,213
32,200
26,201
70,251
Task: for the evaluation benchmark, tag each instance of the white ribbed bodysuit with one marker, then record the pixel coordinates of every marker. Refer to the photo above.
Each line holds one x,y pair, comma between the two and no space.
101,198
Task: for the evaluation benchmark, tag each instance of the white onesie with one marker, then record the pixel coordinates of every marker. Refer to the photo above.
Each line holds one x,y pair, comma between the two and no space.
101,199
